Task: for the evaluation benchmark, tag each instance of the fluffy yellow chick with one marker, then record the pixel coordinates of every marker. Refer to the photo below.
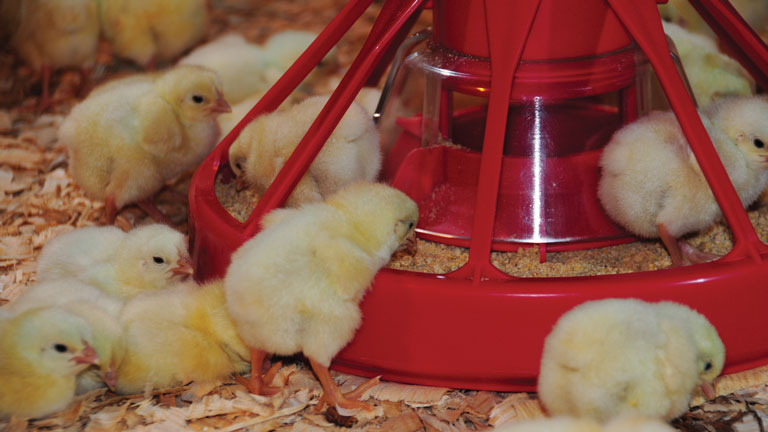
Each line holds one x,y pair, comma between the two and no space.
652,185
711,73
132,135
98,309
151,31
150,257
41,352
616,357
178,335
350,154
296,285
54,34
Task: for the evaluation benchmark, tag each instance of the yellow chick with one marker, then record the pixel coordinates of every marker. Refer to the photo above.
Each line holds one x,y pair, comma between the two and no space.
239,63
149,257
295,286
614,357
98,309
151,31
350,154
132,135
711,73
53,34
41,352
178,335
652,185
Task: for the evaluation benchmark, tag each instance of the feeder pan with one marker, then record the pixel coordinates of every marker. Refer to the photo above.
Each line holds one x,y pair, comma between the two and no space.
557,78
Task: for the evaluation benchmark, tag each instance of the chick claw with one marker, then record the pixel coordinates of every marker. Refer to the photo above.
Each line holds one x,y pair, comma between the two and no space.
334,397
255,384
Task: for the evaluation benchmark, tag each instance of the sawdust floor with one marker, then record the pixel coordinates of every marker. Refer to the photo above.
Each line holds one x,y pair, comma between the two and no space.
38,200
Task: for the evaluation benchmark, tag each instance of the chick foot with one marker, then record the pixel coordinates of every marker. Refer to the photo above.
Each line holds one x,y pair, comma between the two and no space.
334,397
256,384
691,255
151,209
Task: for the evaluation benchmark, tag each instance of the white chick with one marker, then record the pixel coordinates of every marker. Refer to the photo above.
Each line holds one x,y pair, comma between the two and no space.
178,335
350,154
296,285
652,185
711,73
283,48
54,34
132,135
150,257
151,31
239,63
614,357
41,352
96,308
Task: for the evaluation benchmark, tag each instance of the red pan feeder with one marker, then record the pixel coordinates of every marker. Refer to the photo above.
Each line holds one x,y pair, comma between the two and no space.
554,80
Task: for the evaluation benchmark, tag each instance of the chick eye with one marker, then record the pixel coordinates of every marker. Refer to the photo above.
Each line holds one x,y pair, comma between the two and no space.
708,366
758,143
410,226
197,99
238,166
158,260
60,348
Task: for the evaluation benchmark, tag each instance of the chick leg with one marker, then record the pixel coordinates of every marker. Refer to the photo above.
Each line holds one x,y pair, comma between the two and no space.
695,256
334,397
151,209
256,384
45,99
670,242
110,209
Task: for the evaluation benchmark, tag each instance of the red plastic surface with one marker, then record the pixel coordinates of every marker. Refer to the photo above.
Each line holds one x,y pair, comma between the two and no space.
477,327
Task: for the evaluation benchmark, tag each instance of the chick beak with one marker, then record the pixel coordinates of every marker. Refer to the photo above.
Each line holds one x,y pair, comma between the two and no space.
410,246
708,389
110,377
240,183
87,356
183,267
221,105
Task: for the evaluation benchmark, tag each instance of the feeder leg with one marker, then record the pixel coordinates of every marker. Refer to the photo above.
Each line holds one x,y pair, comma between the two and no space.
334,397
256,385
672,246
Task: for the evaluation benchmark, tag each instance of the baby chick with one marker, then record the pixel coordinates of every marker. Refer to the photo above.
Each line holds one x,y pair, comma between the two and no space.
121,264
130,136
350,154
151,31
296,285
41,352
239,63
178,335
652,185
614,357
682,12
98,309
283,48
711,73
54,34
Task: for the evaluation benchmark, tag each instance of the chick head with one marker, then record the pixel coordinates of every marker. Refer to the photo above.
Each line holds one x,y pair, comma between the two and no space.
745,122
384,217
710,351
238,157
53,340
195,92
157,254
